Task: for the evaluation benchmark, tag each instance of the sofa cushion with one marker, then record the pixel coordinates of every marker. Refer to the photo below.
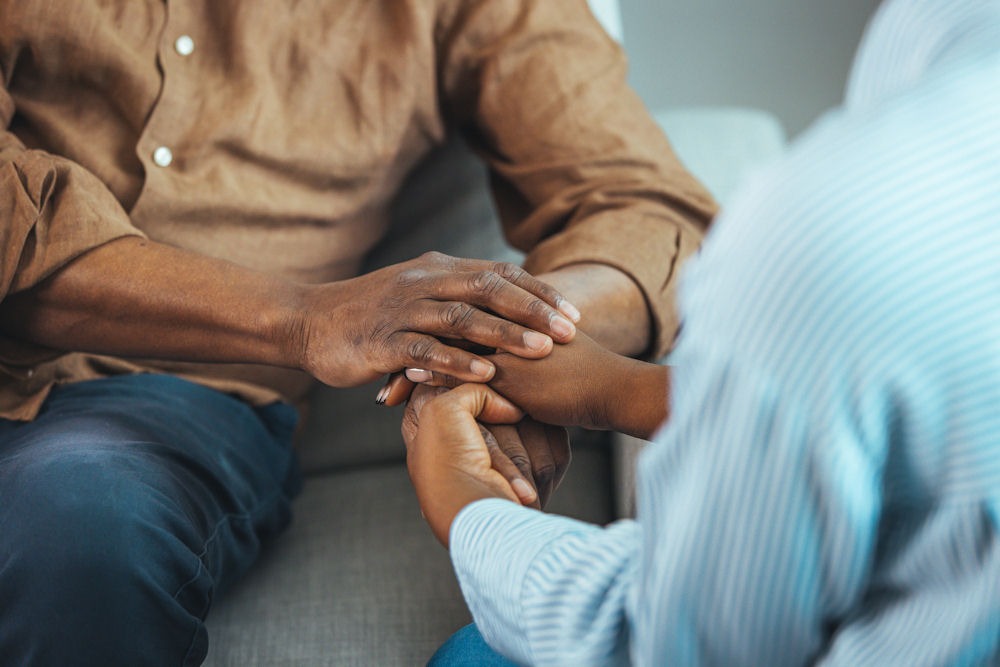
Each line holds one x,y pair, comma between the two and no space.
359,579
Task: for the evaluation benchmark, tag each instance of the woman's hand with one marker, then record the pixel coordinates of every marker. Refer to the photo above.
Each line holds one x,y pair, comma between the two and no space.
530,455
448,458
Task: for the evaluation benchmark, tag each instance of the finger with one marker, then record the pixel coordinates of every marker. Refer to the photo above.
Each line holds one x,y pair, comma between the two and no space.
508,469
490,290
467,322
561,452
543,465
482,403
513,449
396,390
411,416
414,350
421,396
432,379
516,275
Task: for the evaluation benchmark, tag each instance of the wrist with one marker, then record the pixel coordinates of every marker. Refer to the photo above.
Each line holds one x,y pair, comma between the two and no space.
614,308
443,495
286,325
638,405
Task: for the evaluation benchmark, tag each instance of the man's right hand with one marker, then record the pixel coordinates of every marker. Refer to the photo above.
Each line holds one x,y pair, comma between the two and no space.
355,330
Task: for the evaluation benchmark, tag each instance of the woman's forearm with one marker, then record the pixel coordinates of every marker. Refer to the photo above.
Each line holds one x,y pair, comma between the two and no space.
641,403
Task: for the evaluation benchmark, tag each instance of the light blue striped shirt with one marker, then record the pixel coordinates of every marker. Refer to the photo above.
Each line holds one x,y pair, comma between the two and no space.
826,491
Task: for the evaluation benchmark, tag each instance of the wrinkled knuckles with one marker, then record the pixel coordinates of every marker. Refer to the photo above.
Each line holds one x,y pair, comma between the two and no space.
437,262
507,332
486,283
458,316
510,272
434,257
380,333
545,475
539,309
521,461
410,277
421,351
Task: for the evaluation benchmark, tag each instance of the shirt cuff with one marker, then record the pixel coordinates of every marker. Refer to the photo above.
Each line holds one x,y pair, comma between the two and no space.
650,249
494,544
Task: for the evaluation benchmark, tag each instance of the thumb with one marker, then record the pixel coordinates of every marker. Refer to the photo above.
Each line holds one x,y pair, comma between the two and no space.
485,404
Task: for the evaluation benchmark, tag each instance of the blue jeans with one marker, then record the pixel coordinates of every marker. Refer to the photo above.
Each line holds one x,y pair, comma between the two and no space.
467,648
124,508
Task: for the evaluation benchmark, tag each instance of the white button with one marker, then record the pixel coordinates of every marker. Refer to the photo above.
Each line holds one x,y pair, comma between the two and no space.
184,45
31,372
163,156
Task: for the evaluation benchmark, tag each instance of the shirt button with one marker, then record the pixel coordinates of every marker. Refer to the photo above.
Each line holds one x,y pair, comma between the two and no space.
163,156
184,45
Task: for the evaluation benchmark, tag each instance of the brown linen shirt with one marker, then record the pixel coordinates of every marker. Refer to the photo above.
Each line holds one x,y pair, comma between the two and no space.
278,141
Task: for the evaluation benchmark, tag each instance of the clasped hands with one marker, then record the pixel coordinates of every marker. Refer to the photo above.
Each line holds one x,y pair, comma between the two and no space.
449,454
433,313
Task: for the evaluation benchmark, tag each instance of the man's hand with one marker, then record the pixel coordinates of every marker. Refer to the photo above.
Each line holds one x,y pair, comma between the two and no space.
448,459
531,456
358,329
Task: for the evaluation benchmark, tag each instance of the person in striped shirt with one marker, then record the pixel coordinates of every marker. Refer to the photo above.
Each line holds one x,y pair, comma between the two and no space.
826,488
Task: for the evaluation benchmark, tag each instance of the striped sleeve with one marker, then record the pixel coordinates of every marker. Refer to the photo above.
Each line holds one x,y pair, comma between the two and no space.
543,589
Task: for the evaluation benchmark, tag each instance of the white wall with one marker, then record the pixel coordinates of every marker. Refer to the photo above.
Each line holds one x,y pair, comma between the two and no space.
790,57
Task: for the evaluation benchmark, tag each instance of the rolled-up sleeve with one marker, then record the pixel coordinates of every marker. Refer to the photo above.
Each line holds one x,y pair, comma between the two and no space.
51,212
580,171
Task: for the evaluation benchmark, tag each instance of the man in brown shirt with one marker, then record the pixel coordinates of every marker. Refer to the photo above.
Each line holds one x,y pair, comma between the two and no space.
188,190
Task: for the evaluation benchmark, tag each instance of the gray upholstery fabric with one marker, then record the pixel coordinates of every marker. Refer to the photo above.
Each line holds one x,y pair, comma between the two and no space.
359,579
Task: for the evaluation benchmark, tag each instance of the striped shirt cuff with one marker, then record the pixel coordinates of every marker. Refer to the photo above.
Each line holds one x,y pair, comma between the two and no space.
494,544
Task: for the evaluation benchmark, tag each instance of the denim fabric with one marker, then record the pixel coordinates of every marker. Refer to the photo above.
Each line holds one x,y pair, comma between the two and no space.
124,508
467,648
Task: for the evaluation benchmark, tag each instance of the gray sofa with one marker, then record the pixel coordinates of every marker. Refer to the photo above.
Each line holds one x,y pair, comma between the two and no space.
358,579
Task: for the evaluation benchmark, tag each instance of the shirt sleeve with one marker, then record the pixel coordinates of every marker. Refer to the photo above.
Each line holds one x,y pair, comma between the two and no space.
51,212
544,589
580,171
759,522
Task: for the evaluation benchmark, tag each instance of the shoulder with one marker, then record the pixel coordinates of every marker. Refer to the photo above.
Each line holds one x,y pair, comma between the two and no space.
871,242
878,208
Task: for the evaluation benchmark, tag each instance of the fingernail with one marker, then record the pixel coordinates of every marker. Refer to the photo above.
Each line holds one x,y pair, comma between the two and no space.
418,375
382,395
523,490
569,310
561,327
481,368
535,340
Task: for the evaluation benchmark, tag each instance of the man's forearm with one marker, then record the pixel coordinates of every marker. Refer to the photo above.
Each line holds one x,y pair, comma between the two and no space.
615,312
134,297
137,298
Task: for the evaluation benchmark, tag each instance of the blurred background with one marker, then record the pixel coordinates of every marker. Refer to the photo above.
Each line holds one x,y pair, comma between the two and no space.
789,57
